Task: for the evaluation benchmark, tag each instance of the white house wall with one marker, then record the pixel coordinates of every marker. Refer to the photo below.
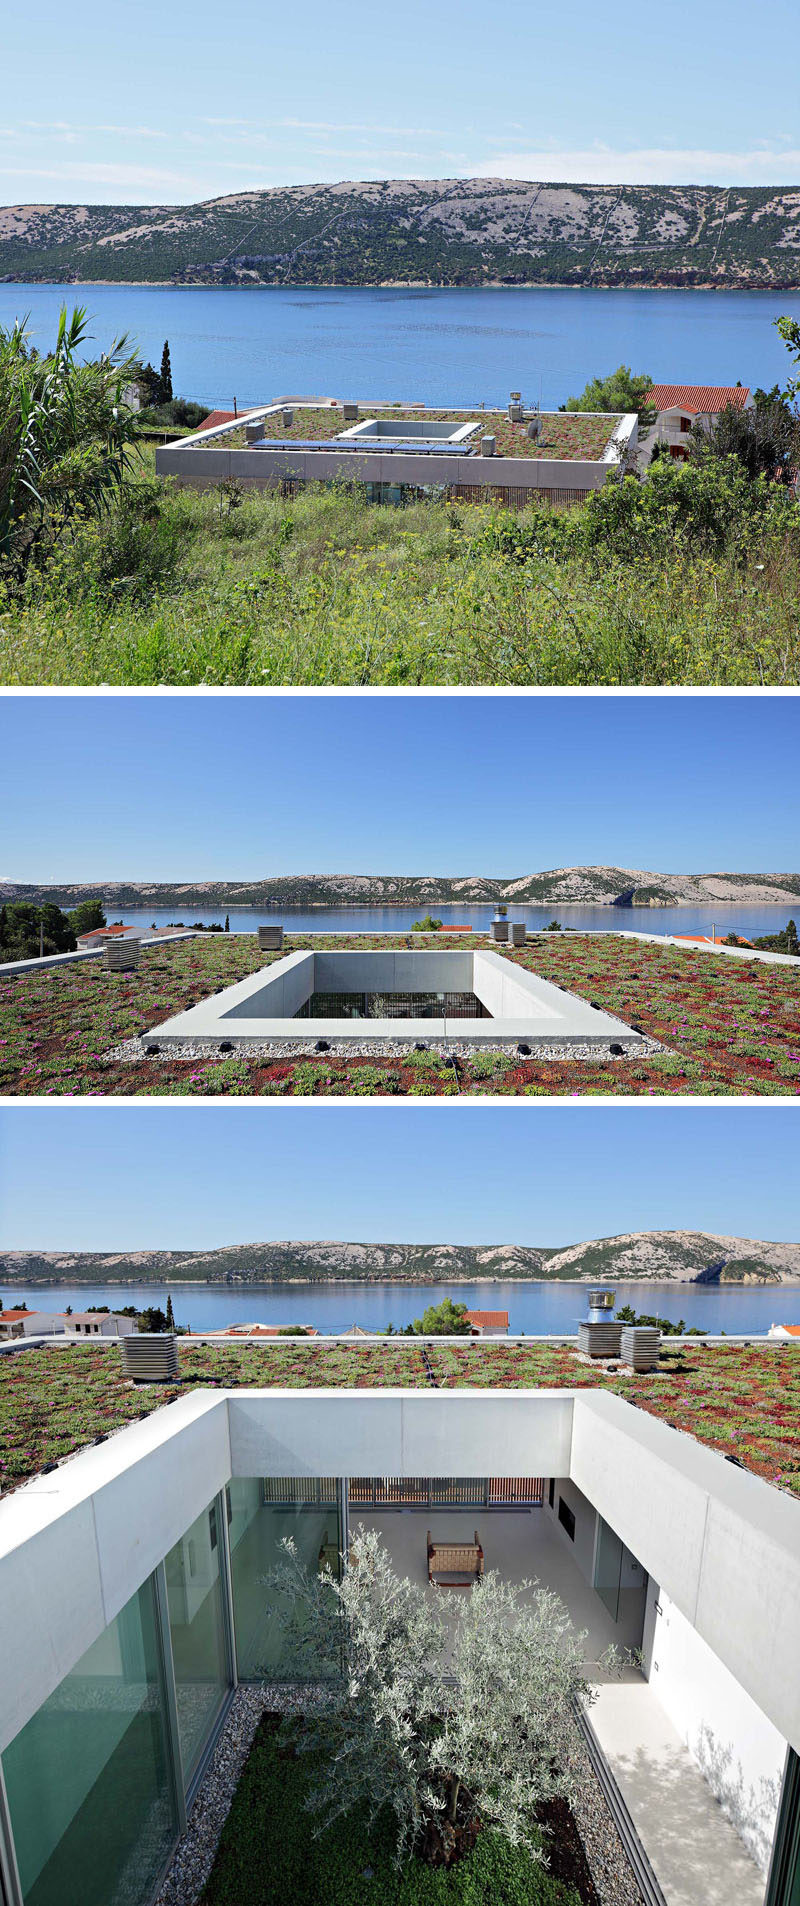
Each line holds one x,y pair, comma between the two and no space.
739,1751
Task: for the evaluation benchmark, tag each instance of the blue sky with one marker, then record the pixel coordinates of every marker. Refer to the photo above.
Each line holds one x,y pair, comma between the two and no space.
171,1176
191,101
227,787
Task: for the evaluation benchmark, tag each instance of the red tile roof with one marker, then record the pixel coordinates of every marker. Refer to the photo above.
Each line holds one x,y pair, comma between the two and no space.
13,1316
489,1317
697,397
217,417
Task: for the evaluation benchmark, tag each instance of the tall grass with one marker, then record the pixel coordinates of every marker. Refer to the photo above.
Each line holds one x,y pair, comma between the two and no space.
184,587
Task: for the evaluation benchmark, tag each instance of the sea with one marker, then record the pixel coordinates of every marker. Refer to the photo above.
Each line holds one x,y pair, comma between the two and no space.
751,921
536,1308
418,345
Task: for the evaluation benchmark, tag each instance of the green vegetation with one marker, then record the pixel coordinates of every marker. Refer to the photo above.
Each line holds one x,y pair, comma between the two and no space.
627,1315
742,1400
443,1320
28,931
784,942
468,231
692,576
623,389
65,436
427,925
352,1860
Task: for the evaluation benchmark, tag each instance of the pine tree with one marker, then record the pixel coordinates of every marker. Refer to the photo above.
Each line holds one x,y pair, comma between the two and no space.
165,379
170,1313
227,923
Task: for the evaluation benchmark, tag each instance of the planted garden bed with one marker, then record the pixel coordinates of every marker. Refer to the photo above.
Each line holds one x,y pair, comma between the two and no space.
743,1401
568,434
269,1855
730,1027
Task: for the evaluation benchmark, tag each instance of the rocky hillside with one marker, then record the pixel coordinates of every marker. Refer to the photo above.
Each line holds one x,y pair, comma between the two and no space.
421,231
562,886
681,1256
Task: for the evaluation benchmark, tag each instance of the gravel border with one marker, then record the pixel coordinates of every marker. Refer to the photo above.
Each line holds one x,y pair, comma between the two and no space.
132,1051
196,1851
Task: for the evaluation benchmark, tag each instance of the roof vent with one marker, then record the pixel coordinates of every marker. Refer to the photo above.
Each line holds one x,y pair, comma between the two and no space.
270,939
150,1356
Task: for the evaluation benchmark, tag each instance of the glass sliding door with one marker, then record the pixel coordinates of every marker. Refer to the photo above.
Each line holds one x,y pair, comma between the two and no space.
89,1781
261,1512
194,1572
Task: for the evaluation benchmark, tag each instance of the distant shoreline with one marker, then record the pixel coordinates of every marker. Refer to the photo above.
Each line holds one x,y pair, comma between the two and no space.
394,1283
385,284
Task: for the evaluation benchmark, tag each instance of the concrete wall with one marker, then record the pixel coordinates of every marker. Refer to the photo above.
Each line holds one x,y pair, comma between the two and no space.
75,1545
582,1549
723,1545
739,1751
521,1005
280,993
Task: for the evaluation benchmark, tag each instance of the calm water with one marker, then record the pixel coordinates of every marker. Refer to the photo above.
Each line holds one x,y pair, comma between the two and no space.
544,1308
750,921
449,346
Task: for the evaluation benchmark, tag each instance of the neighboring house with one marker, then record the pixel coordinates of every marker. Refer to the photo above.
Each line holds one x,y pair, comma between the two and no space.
709,939
12,1322
488,1323
93,1323
788,1333
61,1323
680,407
31,1323
99,936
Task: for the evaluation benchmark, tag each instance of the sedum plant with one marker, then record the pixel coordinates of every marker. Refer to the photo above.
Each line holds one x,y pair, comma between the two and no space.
453,1711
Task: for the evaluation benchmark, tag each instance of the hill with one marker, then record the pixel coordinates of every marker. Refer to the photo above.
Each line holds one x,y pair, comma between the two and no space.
421,231
561,886
678,1256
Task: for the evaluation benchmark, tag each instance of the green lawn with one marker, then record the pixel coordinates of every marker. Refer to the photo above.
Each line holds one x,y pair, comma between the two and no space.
269,1855
744,1401
222,588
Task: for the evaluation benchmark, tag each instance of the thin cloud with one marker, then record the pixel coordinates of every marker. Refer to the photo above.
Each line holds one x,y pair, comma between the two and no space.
146,177
600,165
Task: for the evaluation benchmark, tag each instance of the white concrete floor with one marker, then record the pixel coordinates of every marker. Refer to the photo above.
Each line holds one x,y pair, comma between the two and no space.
523,1545
694,1850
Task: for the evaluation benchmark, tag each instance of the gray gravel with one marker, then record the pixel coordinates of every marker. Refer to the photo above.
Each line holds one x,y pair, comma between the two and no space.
133,1051
605,1854
195,1853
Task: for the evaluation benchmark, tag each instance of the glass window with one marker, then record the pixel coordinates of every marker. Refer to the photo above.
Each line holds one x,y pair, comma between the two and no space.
90,1792
261,1511
197,1630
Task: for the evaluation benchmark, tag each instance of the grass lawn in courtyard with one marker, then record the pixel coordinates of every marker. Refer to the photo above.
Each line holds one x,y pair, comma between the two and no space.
741,1400
730,1027
269,1854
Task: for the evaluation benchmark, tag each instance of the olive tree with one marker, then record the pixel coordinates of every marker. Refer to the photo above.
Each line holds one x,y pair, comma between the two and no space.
451,1710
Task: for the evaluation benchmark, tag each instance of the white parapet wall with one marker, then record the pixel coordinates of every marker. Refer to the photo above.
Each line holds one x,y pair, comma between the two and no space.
520,1004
